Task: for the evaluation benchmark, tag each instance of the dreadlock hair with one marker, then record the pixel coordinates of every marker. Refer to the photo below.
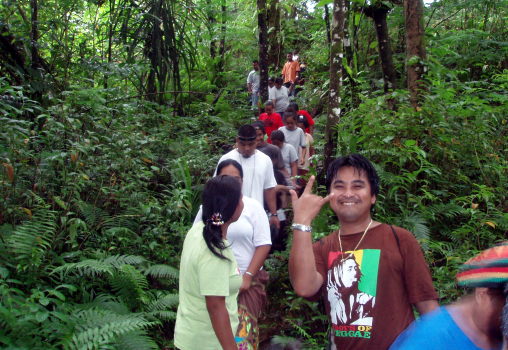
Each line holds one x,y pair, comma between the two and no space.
221,196
358,162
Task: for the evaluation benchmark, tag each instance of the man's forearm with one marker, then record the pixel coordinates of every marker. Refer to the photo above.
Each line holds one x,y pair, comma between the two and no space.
304,277
271,199
259,257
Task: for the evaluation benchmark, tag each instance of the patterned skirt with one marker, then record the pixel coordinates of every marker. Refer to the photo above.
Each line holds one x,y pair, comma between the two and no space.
250,305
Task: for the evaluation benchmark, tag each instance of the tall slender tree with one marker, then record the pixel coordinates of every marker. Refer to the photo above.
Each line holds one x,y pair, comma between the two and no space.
378,11
415,49
334,97
263,50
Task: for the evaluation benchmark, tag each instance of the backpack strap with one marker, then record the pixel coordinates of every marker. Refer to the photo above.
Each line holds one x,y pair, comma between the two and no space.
396,238
398,244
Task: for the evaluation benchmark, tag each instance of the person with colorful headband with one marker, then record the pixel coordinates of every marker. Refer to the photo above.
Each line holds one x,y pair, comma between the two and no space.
209,280
475,321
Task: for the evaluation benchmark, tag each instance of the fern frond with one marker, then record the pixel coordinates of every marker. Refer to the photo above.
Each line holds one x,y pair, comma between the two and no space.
93,216
416,224
127,220
89,268
96,328
130,284
120,260
99,267
30,241
162,271
136,340
165,302
164,315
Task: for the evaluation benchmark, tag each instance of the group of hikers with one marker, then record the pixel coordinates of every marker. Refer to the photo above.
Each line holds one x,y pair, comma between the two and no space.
280,89
370,275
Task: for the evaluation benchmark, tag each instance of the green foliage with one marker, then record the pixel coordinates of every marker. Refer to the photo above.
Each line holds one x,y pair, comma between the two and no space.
99,184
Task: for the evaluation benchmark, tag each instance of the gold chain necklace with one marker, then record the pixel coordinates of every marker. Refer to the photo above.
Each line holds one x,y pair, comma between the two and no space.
360,241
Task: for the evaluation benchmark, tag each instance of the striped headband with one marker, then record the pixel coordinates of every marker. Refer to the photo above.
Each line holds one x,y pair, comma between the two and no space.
487,269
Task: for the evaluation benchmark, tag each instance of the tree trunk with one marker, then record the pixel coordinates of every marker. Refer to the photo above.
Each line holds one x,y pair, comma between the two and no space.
350,54
222,44
327,23
211,28
171,46
336,55
378,13
274,42
110,37
415,50
263,50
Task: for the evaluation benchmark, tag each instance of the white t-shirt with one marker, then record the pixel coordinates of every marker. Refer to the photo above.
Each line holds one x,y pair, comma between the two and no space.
295,138
257,173
288,156
281,98
251,230
253,78
306,151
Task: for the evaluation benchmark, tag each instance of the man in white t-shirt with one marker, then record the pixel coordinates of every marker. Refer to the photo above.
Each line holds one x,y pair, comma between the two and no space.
279,96
253,84
258,178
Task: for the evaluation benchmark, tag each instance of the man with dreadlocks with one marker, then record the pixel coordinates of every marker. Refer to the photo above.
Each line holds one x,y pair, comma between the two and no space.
474,322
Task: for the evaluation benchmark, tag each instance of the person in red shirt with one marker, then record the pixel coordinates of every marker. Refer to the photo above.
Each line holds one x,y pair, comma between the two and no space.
294,108
270,119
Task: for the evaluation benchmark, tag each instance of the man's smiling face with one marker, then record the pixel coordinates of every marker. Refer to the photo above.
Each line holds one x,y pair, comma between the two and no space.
352,195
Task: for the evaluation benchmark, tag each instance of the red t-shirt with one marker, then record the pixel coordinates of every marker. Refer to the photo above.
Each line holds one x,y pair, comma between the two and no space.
369,294
308,117
272,122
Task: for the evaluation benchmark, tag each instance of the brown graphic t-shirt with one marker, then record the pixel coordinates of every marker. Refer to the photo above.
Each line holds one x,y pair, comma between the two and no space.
369,292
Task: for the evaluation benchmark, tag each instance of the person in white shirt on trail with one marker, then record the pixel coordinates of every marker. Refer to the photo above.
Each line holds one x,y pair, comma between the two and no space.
279,96
258,177
253,84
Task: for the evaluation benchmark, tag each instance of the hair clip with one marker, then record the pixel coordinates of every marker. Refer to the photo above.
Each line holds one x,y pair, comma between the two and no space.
216,219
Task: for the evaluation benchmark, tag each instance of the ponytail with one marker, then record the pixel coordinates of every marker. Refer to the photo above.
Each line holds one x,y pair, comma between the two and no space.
220,199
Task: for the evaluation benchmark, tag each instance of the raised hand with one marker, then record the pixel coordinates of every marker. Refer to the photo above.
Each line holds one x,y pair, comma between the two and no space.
307,207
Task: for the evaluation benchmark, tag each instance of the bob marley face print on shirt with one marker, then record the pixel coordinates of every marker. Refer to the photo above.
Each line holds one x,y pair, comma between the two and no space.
351,291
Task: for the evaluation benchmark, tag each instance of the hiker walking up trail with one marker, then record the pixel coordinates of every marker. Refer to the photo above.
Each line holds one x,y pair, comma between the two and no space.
209,277
290,73
280,96
369,274
253,85
250,241
270,119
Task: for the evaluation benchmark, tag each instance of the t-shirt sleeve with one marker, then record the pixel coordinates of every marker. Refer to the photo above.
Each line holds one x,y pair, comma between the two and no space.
249,78
417,276
213,275
260,225
310,139
303,142
293,157
279,162
269,177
